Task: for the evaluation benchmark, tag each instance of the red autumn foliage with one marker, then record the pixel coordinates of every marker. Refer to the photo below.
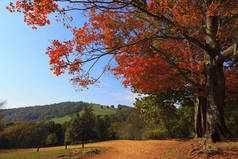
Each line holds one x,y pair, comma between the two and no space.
157,44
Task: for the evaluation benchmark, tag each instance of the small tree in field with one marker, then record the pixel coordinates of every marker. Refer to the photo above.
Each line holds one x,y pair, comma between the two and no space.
73,129
81,128
1,116
51,139
87,125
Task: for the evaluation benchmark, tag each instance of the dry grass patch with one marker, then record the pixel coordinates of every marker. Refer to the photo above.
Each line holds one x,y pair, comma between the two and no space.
199,149
81,154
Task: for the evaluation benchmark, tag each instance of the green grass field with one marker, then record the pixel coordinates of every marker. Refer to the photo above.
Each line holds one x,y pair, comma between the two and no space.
73,153
97,110
61,120
37,155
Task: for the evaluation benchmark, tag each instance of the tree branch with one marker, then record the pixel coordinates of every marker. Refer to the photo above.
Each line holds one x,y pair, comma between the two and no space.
198,86
184,33
229,53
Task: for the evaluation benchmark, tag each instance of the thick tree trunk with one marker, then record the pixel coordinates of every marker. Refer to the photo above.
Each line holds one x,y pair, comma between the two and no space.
216,129
209,115
200,117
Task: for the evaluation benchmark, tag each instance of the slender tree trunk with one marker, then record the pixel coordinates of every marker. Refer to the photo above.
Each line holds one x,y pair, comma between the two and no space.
66,146
38,148
83,144
200,118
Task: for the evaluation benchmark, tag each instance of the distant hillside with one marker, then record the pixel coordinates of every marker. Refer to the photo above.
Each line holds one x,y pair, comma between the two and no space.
52,111
97,110
122,112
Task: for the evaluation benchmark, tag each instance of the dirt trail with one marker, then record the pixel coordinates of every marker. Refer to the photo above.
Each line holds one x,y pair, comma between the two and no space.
152,149
125,149
118,149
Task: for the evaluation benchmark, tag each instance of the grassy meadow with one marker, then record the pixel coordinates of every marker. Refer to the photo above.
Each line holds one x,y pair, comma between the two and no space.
97,110
52,153
36,155
134,149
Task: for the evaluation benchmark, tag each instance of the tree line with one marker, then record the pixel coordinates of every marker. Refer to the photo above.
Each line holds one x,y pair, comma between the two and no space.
43,112
150,119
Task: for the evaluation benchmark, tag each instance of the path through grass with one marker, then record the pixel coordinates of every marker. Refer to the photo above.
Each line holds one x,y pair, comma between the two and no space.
132,149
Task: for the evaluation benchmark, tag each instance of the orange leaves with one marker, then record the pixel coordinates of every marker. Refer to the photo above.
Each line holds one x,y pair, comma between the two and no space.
147,75
11,7
150,46
35,13
83,81
223,8
227,12
58,54
150,72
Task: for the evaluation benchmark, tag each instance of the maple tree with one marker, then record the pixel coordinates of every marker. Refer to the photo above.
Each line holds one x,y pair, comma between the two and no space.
157,44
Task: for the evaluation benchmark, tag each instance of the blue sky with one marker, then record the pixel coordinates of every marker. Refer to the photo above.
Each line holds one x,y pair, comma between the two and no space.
25,76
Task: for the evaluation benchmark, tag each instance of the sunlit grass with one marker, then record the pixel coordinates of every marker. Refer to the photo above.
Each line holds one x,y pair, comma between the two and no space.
70,153
61,120
36,155
97,110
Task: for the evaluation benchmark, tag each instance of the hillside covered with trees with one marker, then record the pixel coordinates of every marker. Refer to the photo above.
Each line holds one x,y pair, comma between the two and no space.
46,112
149,119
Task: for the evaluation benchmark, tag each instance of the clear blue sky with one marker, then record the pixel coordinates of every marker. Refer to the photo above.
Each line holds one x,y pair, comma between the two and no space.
25,76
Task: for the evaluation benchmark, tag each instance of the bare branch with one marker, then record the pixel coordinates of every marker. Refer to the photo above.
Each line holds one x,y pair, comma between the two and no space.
229,53
98,4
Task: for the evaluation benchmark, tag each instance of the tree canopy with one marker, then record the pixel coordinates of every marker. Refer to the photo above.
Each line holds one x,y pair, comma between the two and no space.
81,128
157,44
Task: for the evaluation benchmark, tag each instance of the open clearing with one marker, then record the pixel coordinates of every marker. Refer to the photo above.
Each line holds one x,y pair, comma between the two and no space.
150,149
124,149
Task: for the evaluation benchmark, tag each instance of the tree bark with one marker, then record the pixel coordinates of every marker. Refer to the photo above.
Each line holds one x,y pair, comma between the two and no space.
38,148
209,114
200,117
66,146
209,119
83,144
216,129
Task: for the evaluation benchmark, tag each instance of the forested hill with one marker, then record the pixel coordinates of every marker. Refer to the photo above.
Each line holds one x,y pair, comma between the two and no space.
45,112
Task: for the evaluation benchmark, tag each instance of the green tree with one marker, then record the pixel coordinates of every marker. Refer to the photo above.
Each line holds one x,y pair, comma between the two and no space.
184,125
163,118
126,123
231,115
56,129
81,128
51,139
73,129
22,135
102,127
154,108
87,125
1,116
